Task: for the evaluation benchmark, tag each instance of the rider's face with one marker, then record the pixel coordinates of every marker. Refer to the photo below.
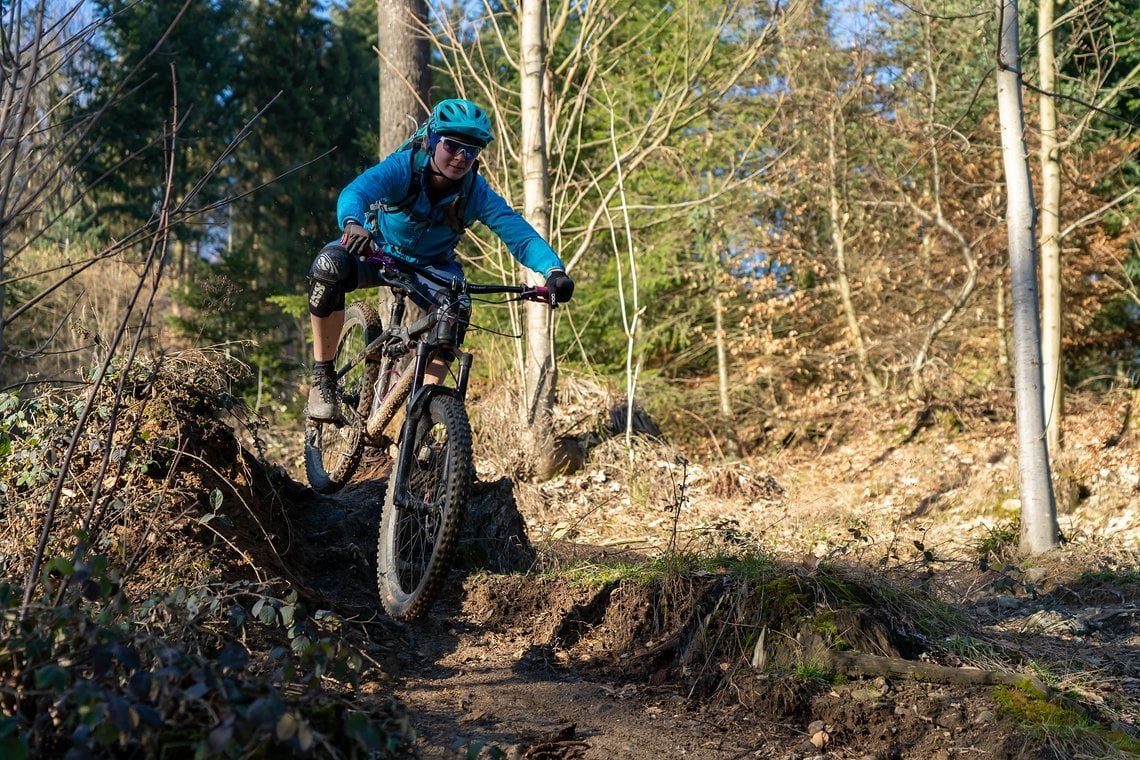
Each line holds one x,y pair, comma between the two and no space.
452,165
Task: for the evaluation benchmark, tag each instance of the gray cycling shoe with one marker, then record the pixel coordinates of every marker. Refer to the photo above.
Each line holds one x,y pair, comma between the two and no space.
324,404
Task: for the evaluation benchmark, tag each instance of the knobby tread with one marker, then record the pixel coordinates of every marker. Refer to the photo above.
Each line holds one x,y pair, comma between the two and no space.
407,604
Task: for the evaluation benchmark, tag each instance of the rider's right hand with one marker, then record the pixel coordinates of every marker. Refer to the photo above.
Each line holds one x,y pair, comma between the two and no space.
356,239
561,284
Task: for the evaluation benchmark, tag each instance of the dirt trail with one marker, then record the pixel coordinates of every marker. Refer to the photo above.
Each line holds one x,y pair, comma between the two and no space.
494,666
541,668
476,683
468,686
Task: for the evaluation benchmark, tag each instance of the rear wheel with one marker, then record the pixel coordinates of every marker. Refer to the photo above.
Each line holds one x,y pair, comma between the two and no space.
423,509
333,448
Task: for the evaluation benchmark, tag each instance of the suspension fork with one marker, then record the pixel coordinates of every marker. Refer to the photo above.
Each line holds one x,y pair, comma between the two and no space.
418,398
418,401
462,374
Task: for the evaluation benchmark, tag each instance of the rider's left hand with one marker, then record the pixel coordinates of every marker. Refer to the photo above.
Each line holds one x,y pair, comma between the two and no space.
561,284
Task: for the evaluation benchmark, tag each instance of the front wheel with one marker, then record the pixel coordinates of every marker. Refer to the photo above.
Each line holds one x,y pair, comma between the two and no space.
427,493
333,447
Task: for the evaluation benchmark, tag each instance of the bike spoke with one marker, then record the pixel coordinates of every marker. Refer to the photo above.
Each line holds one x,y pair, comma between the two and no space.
421,519
417,538
333,448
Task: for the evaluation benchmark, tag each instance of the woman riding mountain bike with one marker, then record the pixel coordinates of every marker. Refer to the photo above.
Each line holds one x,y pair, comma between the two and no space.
381,374
426,193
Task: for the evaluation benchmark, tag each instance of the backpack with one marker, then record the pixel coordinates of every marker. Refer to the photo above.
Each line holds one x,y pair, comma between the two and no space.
416,147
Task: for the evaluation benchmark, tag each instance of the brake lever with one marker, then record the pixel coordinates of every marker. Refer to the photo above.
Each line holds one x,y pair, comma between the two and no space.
542,294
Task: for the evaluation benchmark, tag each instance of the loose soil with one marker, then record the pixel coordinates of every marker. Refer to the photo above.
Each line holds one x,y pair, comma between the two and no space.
568,665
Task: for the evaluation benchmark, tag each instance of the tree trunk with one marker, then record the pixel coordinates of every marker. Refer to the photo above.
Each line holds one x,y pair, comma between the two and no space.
721,355
1002,328
404,76
541,372
728,420
839,243
1038,509
404,81
3,254
1052,372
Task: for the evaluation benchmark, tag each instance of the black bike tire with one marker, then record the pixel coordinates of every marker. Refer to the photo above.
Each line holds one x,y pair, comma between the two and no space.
407,598
329,471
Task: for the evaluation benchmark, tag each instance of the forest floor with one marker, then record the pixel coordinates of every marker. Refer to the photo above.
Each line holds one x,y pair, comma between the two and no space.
569,665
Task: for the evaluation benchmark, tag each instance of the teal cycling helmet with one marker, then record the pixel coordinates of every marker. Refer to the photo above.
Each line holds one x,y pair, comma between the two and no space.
461,118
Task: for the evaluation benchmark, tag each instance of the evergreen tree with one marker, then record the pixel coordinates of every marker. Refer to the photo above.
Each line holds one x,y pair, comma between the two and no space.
310,77
177,62
307,145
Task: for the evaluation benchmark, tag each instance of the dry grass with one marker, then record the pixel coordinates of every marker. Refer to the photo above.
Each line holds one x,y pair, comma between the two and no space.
69,331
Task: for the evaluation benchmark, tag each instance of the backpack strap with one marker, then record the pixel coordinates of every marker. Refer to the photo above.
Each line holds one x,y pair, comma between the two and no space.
416,148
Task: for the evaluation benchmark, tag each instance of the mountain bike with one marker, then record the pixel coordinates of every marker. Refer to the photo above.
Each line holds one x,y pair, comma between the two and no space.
380,372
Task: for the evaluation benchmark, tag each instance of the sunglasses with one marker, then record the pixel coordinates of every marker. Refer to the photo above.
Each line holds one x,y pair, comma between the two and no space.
454,147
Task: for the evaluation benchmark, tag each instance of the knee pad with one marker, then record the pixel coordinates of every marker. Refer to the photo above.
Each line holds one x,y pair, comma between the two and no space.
332,274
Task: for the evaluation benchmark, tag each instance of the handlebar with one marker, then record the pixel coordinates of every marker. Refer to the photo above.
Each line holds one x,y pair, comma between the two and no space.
537,293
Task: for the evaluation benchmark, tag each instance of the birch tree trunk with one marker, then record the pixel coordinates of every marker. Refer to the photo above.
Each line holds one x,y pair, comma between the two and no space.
721,355
541,373
1052,371
727,418
404,76
1001,327
1038,509
839,243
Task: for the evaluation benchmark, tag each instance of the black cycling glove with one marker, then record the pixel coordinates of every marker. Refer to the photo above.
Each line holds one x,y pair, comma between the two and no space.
561,284
356,239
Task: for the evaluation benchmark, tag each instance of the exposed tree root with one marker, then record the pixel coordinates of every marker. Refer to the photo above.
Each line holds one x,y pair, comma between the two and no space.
857,664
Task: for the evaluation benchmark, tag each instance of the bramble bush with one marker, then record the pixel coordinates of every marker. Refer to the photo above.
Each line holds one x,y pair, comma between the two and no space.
88,675
141,634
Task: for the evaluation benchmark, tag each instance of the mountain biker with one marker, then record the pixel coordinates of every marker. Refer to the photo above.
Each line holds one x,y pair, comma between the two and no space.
419,228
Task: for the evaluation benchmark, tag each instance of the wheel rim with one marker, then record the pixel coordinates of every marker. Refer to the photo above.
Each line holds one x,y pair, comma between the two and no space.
335,442
349,385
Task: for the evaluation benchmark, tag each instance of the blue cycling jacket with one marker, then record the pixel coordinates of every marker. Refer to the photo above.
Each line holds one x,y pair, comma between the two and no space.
413,240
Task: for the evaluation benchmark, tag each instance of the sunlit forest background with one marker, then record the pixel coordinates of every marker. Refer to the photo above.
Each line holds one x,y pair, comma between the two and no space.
817,185
786,221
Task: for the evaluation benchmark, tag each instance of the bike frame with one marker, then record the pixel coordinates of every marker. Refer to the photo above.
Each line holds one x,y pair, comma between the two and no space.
395,274
432,474
396,340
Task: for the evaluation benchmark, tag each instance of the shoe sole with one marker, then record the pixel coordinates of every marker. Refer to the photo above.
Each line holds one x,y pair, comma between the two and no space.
321,418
